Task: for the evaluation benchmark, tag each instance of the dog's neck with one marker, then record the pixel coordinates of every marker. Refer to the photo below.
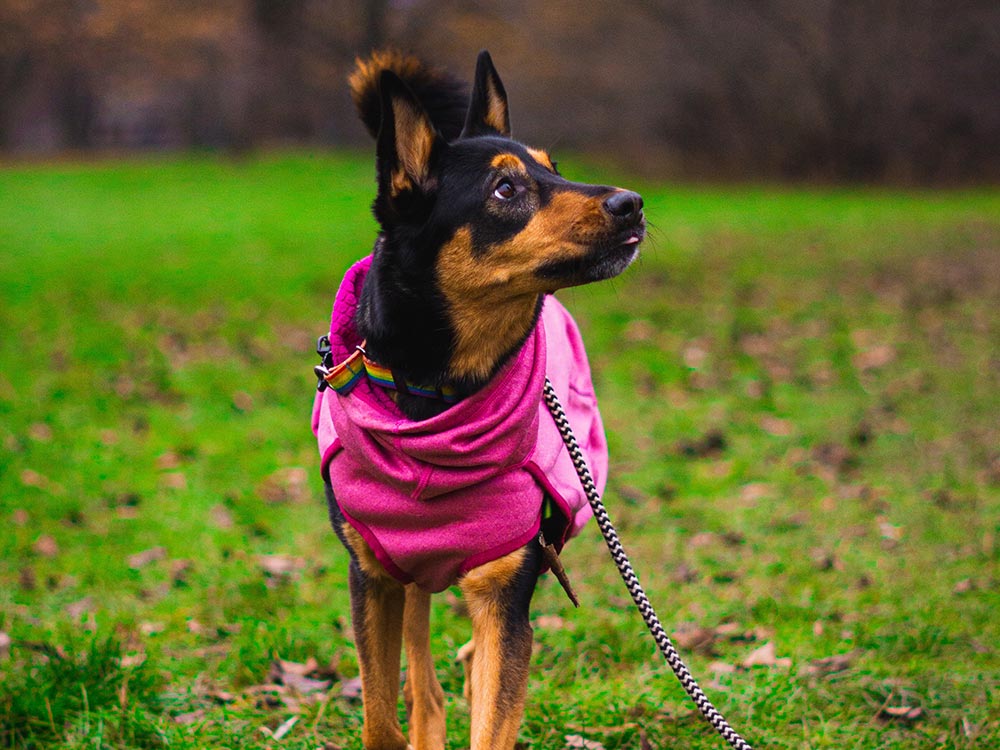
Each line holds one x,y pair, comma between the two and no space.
407,328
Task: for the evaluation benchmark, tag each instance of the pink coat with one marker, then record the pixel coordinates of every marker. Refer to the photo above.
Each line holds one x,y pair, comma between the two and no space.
438,497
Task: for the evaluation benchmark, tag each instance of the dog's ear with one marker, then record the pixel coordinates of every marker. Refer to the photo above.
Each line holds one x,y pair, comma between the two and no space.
488,113
407,144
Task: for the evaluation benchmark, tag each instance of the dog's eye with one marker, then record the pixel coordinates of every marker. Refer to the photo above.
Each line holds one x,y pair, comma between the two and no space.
505,190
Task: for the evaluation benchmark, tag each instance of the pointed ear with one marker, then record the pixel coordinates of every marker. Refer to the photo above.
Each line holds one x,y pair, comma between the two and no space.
407,141
488,113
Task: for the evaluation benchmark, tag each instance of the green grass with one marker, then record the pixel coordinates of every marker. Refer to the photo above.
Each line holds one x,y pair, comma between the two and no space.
801,393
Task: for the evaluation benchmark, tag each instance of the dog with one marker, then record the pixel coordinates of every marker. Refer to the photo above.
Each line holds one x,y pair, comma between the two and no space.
440,463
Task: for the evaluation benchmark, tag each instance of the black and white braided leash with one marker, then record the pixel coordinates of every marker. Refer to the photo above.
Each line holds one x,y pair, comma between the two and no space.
632,582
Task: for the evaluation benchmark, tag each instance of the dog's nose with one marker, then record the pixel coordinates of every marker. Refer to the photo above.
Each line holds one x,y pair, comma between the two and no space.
624,205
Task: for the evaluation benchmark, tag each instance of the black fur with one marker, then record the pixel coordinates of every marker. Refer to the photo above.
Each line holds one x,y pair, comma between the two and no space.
402,313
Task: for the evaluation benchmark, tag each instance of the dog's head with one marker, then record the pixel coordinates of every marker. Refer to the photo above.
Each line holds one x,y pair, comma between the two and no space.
494,217
488,221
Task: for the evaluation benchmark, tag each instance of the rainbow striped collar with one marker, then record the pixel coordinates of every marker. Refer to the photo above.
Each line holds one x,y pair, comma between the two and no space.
343,377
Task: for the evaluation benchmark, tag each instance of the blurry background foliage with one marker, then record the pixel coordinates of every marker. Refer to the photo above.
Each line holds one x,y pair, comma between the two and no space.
869,90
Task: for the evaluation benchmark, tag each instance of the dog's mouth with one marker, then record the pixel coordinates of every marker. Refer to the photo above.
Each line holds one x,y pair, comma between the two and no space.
604,261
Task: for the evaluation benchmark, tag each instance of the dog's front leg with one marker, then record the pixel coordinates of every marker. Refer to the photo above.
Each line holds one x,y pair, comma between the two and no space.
422,691
498,595
377,617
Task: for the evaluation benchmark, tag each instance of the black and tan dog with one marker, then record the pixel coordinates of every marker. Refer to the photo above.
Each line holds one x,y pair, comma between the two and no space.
476,230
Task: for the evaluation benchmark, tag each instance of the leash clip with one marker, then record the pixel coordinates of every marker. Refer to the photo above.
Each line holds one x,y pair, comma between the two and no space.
323,369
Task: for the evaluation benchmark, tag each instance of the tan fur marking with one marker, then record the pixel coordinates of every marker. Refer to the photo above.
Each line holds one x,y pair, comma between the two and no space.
542,158
496,109
422,691
399,182
367,71
493,671
488,315
482,582
414,141
508,161
492,299
366,558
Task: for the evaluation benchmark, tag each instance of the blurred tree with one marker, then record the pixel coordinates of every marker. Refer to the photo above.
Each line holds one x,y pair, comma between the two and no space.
44,75
801,89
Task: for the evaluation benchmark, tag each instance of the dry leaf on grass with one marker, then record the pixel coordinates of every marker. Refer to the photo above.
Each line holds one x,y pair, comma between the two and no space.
684,573
26,578
350,689
690,637
776,426
751,493
550,622
40,432
575,741
290,484
5,642
281,566
147,556
220,517
134,659
702,539
46,546
721,667
31,478
151,628
888,530
168,460
285,728
733,631
243,401
77,609
179,570
901,713
829,665
825,560
874,358
190,717
269,696
302,669
964,586
639,330
765,656
603,730
174,480
294,676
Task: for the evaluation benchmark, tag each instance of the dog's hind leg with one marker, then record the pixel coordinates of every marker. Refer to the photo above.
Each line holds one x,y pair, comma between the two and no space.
422,691
377,615
498,594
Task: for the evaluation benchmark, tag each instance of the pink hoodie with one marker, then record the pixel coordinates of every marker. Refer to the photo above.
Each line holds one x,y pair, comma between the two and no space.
438,497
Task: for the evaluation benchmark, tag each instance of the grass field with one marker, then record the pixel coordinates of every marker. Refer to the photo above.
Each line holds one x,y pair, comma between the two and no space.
801,393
